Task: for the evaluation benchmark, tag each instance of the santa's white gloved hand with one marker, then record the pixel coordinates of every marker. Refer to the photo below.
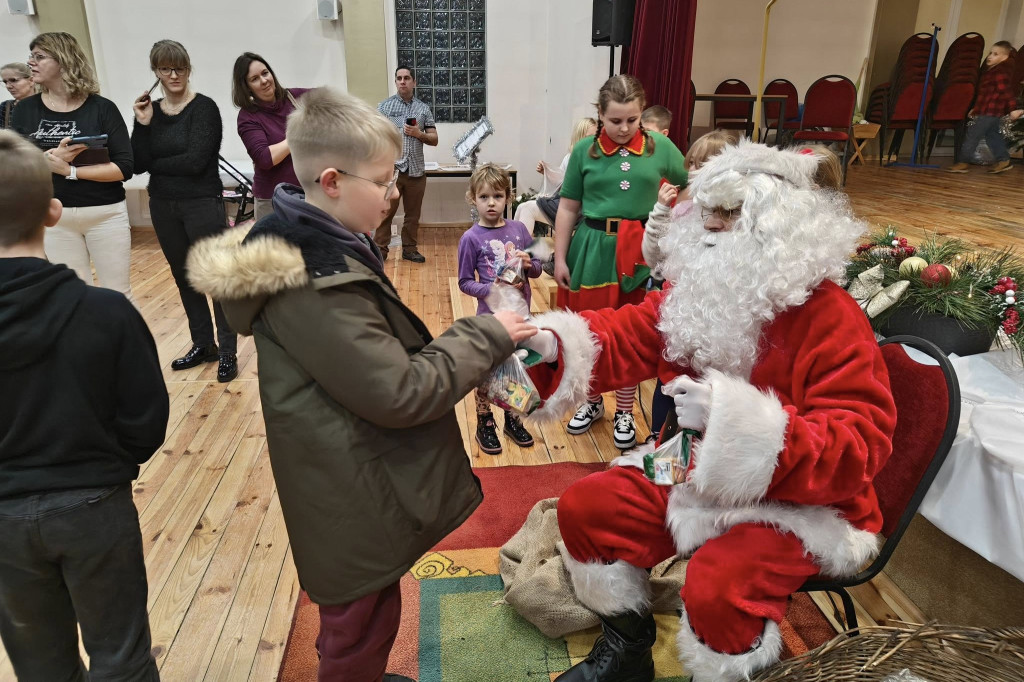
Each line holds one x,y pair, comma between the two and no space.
544,343
692,401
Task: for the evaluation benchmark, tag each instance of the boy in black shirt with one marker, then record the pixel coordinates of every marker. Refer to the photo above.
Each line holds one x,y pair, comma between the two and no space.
82,404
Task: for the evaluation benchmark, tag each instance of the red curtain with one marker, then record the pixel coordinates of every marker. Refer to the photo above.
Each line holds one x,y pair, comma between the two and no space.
660,54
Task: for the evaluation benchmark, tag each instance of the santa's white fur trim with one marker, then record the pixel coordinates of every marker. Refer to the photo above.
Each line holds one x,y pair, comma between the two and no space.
608,589
708,665
837,546
578,349
745,433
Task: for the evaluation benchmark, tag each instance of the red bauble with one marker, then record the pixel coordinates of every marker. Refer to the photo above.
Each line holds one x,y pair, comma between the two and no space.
936,274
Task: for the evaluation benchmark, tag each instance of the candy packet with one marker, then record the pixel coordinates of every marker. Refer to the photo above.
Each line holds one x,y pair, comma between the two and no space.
669,463
511,388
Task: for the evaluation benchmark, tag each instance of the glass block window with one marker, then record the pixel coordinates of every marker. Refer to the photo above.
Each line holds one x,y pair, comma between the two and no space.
443,40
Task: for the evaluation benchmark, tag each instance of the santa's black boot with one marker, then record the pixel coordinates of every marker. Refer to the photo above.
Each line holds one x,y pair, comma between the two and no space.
621,654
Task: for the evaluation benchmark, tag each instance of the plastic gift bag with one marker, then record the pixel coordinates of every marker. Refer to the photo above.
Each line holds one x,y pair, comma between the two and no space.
510,387
669,463
904,676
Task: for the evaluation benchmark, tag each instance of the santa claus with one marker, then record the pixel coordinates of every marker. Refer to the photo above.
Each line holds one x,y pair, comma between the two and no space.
777,367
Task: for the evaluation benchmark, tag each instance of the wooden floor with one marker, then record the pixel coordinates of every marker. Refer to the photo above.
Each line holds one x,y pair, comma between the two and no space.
222,583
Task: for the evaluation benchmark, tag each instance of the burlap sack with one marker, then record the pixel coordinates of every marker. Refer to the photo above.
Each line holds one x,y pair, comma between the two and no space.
538,587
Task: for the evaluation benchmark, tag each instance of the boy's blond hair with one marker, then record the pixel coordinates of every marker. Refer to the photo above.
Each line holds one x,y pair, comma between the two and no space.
656,118
331,128
489,175
830,171
26,188
706,146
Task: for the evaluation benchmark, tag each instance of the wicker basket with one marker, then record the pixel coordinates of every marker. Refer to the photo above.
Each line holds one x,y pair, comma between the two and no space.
938,653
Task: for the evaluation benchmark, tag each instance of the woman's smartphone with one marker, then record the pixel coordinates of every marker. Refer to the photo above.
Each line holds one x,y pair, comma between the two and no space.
149,93
90,140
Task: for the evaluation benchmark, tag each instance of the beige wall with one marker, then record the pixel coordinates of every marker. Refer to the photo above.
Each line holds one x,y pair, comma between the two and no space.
807,39
68,16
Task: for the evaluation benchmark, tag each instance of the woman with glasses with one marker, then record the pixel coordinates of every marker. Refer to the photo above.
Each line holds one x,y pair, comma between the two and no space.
264,106
87,178
17,79
177,140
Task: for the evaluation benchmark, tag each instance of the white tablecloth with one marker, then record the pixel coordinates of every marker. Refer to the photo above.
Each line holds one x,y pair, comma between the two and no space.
978,496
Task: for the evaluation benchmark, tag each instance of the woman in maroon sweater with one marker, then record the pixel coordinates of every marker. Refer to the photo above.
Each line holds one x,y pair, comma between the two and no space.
265,106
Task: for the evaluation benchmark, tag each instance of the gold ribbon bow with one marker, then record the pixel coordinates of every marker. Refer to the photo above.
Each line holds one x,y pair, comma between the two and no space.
867,290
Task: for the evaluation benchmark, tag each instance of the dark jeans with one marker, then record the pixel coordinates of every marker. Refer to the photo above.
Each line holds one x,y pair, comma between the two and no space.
985,127
70,557
355,639
180,223
661,405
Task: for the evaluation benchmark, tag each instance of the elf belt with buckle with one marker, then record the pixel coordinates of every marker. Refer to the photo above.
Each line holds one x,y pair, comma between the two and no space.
610,225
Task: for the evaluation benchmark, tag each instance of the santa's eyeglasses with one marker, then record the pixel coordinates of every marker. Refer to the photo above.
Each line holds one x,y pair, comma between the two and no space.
727,215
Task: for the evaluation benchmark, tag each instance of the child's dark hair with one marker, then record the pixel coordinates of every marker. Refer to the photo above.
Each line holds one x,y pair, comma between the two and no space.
491,176
1005,44
621,89
657,117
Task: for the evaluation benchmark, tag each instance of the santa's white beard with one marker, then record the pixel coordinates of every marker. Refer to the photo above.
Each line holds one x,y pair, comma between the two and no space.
727,285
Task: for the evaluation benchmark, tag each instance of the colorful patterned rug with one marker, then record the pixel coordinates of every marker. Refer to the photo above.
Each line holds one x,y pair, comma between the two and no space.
454,626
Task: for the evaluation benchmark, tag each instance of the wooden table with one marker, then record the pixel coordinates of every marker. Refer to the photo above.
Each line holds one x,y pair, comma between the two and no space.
781,99
463,171
862,134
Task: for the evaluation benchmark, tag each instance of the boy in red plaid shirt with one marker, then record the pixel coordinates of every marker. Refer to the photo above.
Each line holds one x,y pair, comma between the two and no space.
997,96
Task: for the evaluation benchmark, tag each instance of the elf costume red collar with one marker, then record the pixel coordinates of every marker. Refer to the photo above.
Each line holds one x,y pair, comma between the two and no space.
636,146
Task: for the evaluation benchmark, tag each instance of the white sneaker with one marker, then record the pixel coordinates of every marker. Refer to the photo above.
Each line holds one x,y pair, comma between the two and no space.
624,431
585,418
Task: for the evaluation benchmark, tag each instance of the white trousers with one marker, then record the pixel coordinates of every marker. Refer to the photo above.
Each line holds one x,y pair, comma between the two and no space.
99,233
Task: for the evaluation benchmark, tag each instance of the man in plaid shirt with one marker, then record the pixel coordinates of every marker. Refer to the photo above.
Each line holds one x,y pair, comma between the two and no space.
997,96
414,119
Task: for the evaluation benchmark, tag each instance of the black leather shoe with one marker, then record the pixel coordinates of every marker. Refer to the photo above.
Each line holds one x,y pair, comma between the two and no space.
228,368
515,430
196,356
621,654
414,256
487,434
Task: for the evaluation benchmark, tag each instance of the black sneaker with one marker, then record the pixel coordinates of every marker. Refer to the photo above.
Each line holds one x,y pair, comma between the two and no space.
515,430
228,368
414,256
487,434
624,433
196,356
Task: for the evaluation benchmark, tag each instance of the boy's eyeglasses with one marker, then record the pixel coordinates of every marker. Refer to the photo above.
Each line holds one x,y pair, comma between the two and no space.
168,70
727,215
387,186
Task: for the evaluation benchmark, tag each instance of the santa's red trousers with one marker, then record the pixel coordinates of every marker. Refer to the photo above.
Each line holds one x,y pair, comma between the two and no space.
733,582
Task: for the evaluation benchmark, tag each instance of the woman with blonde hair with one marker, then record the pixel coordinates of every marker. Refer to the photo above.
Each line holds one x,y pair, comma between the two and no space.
545,207
87,178
177,140
17,79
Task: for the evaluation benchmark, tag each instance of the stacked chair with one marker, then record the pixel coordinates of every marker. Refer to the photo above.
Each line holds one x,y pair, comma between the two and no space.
955,88
895,104
770,115
733,115
829,104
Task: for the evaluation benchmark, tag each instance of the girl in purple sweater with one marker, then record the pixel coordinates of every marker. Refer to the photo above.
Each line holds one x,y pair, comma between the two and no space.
483,249
264,107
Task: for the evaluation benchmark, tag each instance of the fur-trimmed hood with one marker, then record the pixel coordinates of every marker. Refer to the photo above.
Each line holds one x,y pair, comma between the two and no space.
298,245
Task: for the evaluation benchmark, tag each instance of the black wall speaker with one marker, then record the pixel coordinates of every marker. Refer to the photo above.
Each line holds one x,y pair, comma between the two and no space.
612,22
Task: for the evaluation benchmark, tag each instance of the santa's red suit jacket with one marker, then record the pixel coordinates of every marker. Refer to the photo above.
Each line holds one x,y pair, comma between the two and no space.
796,446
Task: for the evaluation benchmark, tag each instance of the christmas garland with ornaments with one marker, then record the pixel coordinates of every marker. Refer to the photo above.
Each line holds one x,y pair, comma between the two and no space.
946,277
